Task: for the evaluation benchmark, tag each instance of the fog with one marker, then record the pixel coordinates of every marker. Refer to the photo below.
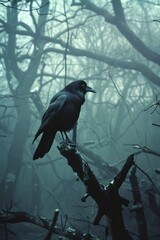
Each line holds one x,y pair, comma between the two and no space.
113,46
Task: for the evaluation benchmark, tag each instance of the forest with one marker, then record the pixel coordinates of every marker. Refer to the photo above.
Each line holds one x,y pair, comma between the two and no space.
107,184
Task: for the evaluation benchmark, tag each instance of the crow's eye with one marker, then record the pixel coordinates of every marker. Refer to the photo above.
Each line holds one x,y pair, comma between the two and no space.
83,86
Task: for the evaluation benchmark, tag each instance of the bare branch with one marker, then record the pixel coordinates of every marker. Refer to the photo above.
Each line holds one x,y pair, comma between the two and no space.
16,217
51,229
123,27
107,198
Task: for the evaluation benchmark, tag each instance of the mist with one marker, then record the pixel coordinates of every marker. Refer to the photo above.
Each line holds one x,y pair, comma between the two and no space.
114,47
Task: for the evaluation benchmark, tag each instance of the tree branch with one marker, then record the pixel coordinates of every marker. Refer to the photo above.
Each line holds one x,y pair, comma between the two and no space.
107,198
123,27
118,9
16,217
132,65
73,51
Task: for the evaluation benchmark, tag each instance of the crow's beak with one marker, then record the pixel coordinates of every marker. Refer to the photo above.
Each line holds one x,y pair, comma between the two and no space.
89,89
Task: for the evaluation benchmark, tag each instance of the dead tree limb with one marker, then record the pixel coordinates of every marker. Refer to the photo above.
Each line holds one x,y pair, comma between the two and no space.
107,198
17,217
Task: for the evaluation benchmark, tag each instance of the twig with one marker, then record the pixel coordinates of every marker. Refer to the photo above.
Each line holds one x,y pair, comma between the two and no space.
66,48
144,149
156,104
1,135
154,124
20,9
157,190
55,217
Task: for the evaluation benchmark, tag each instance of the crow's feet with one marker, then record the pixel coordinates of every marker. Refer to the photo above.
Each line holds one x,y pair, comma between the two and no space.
72,144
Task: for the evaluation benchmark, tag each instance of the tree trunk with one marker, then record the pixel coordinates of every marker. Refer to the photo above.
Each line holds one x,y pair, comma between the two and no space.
25,79
16,151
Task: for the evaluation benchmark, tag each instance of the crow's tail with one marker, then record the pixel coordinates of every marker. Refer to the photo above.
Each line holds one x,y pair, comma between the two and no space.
44,144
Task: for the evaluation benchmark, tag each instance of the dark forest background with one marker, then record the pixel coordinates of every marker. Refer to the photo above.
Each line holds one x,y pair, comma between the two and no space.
112,45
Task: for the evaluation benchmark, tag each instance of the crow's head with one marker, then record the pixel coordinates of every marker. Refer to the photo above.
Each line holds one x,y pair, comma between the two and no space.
79,86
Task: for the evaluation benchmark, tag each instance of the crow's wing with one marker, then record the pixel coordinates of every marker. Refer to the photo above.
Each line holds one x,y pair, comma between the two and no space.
56,105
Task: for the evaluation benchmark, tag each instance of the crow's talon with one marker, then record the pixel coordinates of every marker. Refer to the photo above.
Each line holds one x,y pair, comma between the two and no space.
72,144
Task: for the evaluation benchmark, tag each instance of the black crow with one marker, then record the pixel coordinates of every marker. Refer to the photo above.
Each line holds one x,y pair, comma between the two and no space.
61,115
